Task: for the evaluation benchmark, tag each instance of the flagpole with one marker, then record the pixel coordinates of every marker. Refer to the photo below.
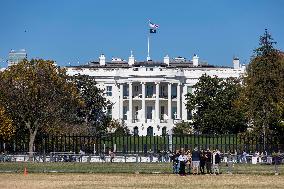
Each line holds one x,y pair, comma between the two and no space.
148,40
148,57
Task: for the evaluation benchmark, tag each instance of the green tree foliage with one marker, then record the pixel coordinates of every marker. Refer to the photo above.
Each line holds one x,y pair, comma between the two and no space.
93,112
36,94
7,129
262,96
182,128
118,128
212,103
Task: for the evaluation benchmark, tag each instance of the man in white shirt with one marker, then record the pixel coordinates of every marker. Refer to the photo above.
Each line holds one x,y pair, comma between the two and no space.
182,160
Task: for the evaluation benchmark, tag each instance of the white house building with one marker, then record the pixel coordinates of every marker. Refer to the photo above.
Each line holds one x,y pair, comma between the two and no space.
149,97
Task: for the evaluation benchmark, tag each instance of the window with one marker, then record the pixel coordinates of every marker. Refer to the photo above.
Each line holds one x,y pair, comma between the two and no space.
163,91
149,112
150,131
109,90
125,109
174,91
136,88
135,131
149,90
109,111
162,112
174,112
125,91
136,112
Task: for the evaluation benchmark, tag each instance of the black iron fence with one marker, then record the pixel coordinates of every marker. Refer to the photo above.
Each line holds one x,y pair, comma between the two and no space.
141,144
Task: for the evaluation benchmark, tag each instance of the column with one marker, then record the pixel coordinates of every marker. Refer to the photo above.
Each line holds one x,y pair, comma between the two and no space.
157,103
178,100
121,102
143,103
130,102
169,101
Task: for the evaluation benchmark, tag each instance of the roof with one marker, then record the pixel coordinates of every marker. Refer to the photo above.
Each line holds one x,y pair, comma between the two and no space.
124,64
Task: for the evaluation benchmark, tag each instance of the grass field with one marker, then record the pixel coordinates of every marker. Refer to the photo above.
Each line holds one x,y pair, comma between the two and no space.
146,168
125,175
79,180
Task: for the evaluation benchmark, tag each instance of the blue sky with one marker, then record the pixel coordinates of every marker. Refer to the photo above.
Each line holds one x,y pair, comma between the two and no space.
73,30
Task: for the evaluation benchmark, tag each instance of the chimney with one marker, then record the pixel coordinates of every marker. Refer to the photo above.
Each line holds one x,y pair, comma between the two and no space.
236,63
102,59
167,60
131,59
195,60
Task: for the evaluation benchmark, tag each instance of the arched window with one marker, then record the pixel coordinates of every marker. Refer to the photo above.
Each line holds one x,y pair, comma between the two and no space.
150,131
164,131
135,131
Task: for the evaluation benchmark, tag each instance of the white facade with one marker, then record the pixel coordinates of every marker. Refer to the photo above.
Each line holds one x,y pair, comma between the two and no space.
150,96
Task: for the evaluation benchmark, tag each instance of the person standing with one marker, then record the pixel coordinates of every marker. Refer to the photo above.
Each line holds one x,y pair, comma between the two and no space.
277,161
195,161
111,154
244,159
182,162
208,161
151,155
230,162
176,162
216,160
202,162
188,163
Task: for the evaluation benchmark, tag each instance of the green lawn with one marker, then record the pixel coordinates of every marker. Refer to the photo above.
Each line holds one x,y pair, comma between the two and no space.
147,168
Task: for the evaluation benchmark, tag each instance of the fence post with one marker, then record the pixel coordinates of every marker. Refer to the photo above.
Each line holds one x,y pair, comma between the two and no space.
170,142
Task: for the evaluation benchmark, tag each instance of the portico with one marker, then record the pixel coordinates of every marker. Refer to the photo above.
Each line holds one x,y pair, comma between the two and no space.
146,104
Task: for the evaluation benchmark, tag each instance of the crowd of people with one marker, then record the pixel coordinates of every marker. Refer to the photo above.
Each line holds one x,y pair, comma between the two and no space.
196,162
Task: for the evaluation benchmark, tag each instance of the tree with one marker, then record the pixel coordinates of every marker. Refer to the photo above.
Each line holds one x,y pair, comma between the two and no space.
7,130
35,94
262,95
212,103
92,114
182,128
118,128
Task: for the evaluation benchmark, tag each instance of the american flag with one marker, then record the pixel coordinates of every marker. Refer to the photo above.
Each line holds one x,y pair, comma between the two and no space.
152,25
